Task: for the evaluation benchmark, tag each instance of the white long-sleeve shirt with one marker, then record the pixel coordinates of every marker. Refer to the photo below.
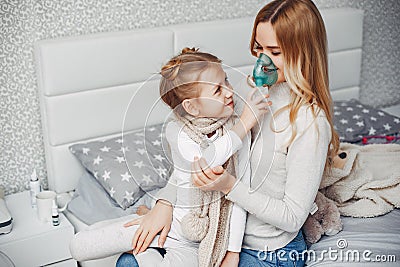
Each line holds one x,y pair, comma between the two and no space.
183,150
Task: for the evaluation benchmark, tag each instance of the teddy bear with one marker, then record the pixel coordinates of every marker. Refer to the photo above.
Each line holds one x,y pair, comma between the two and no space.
325,217
326,220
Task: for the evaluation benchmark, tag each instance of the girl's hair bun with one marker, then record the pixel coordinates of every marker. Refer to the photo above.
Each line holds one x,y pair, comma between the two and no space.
170,70
188,50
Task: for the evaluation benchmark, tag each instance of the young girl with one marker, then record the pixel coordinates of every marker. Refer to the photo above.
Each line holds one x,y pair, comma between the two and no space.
284,186
205,225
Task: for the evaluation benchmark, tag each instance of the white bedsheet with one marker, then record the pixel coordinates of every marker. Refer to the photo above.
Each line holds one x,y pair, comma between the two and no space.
379,235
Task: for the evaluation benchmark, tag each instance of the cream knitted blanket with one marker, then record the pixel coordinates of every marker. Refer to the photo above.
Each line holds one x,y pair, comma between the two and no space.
369,183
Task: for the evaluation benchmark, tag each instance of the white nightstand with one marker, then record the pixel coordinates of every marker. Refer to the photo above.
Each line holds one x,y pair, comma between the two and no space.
32,242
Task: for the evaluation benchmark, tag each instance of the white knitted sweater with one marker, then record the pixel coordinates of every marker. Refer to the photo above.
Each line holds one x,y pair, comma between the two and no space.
284,180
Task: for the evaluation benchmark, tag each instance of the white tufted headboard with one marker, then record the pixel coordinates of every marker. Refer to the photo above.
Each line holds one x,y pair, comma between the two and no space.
86,82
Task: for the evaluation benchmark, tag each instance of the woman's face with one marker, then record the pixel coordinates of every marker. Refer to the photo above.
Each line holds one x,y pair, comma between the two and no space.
265,42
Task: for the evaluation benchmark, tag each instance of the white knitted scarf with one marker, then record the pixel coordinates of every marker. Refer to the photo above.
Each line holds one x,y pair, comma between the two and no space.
198,128
208,220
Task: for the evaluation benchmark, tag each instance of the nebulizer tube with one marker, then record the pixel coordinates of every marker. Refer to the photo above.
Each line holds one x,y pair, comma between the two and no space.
265,74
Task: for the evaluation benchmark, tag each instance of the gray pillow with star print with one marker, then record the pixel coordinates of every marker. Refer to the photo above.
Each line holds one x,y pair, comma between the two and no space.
130,166
354,120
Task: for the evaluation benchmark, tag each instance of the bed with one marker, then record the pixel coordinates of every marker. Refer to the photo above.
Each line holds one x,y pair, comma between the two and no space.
95,87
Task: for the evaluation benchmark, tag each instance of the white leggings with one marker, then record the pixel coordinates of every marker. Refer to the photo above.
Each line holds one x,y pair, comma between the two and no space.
110,237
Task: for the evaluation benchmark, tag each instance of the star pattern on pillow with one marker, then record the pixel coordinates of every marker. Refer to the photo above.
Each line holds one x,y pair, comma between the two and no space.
129,165
354,120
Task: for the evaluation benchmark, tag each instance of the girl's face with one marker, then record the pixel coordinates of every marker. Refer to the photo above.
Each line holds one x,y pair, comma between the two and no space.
265,42
216,94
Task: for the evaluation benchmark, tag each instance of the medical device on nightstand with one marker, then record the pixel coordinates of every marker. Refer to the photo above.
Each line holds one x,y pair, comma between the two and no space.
5,217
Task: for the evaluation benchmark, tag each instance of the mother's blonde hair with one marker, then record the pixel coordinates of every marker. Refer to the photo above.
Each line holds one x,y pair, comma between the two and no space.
301,35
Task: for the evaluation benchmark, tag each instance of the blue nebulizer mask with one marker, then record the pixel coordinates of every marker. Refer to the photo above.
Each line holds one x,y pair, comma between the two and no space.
264,72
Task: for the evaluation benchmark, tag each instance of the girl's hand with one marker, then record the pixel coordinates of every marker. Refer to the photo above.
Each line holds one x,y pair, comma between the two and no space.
142,210
215,179
157,220
231,259
254,108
